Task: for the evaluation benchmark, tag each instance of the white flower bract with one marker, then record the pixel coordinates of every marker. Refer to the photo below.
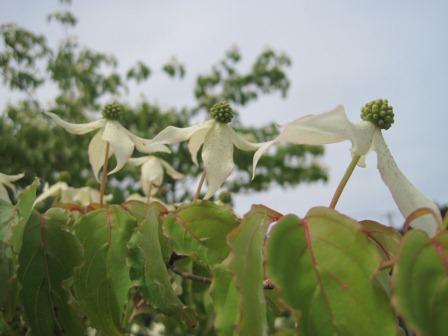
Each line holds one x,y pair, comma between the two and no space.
334,126
121,141
152,174
217,141
87,195
64,193
6,181
60,190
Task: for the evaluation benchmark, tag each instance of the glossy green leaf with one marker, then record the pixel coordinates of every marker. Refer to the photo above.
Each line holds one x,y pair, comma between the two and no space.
103,281
47,258
324,265
200,229
24,207
157,285
420,282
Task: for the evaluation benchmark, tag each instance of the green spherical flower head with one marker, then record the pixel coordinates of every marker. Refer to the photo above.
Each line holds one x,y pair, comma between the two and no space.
222,112
64,176
379,113
112,111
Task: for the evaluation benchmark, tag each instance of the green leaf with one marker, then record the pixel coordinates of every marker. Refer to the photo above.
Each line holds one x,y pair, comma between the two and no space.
200,229
420,282
139,72
157,287
325,266
140,210
387,241
385,238
8,281
103,281
237,287
24,207
185,244
226,300
65,18
7,212
12,225
246,264
137,209
47,259
26,200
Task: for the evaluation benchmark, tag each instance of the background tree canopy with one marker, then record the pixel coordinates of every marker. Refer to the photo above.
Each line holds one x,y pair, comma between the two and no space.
83,79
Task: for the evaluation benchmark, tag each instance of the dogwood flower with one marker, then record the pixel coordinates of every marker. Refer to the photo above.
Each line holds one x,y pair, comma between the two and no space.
217,139
152,174
60,191
63,193
88,195
6,181
365,136
121,141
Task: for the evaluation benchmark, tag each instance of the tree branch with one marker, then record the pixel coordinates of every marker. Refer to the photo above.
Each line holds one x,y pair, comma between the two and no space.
189,276
267,284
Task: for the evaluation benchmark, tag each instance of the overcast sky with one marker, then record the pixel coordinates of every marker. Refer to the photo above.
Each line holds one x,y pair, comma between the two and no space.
343,52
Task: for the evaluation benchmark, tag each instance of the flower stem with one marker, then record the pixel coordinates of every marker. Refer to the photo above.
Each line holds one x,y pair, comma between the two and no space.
199,187
344,181
148,199
104,176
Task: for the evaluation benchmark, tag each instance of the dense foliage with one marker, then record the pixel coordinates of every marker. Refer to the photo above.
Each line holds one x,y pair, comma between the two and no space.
201,270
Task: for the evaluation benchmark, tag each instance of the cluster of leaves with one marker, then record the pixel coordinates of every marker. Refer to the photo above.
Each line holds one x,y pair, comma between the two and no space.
201,270
83,79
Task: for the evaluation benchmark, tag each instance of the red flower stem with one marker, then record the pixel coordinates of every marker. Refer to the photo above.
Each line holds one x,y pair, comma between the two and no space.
199,187
351,167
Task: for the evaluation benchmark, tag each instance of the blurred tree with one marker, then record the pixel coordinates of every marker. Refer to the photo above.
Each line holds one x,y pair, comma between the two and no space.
83,79
443,210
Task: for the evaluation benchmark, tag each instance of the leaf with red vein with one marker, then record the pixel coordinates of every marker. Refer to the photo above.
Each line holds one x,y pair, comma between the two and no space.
102,282
237,288
47,259
324,266
420,282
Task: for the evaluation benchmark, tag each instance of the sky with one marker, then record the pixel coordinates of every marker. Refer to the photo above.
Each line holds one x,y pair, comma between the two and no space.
343,52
